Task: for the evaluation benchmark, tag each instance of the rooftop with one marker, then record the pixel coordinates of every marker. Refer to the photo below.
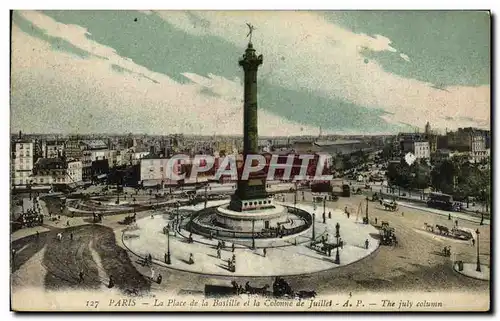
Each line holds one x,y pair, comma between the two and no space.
95,144
50,163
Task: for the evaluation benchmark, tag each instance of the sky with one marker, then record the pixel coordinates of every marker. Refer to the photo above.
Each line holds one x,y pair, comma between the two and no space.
165,72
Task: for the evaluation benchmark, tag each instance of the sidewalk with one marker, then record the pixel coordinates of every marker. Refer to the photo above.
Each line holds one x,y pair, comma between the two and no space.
416,197
454,215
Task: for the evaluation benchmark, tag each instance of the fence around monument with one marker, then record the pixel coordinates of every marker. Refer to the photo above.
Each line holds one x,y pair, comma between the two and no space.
205,230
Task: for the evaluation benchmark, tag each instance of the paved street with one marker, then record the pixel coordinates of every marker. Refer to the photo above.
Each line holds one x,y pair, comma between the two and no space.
415,264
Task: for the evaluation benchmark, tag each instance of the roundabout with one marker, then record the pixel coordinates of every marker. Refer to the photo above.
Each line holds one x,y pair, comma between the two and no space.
264,256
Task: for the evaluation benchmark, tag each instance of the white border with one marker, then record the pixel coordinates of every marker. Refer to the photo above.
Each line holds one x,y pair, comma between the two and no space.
188,4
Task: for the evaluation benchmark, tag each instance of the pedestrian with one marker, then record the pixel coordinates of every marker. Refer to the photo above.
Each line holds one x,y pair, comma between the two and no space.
324,218
449,217
191,259
67,223
265,252
456,223
218,253
402,213
234,258
348,214
473,241
345,209
80,276
232,248
37,234
165,257
341,243
376,220
366,244
158,280
71,236
111,281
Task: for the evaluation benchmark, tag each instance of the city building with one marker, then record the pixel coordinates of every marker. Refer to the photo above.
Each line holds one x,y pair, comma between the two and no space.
57,171
420,149
478,148
92,150
73,148
154,171
134,155
21,162
52,149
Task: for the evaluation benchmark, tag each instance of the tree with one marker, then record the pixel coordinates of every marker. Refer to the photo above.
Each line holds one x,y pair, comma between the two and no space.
420,175
442,176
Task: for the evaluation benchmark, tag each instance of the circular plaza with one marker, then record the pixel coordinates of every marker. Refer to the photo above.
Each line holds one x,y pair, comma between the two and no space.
310,248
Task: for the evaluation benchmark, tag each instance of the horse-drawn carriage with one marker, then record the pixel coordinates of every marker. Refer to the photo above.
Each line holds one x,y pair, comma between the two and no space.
455,232
323,247
129,219
387,234
389,205
234,289
461,234
281,289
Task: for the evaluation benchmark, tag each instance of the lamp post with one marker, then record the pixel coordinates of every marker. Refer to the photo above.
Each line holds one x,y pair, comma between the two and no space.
253,234
478,264
295,198
366,214
206,197
337,235
168,248
118,191
324,206
176,216
313,231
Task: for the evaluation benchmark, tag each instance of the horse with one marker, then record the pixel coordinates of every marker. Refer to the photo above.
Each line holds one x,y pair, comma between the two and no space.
443,230
237,288
306,294
132,292
428,227
261,291
59,237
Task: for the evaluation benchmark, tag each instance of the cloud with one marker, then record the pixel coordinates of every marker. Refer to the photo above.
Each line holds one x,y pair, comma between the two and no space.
68,93
303,50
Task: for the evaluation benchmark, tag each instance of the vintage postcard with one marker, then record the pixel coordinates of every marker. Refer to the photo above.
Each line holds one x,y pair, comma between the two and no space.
250,161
